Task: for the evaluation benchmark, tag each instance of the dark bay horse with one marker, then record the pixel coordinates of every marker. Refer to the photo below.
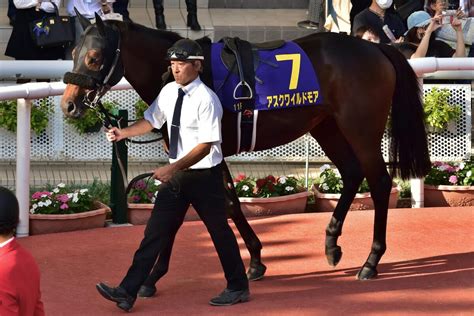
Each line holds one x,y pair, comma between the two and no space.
361,84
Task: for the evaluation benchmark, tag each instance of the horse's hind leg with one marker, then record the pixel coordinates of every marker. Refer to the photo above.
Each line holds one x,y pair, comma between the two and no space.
341,154
257,268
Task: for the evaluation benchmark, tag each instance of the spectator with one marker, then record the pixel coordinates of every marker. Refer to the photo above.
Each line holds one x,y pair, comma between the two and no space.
406,7
446,32
191,20
357,7
420,33
120,6
367,33
338,19
21,45
19,274
11,12
376,16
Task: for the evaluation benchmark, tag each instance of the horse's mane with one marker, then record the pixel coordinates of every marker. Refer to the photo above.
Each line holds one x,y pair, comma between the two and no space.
146,31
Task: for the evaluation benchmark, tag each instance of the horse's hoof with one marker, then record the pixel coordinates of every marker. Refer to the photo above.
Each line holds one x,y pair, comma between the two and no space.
367,272
333,255
256,272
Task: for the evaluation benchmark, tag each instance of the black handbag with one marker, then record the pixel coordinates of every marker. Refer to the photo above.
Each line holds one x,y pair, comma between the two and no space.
53,31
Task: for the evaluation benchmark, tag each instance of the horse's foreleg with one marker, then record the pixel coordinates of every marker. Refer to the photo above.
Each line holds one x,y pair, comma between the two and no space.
257,268
341,154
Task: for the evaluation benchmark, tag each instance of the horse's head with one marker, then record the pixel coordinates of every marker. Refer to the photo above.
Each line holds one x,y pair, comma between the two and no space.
97,66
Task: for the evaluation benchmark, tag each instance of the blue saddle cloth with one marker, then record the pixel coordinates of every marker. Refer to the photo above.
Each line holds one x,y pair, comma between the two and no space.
287,79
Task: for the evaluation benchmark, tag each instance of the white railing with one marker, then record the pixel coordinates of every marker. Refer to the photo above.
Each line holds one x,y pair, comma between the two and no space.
54,69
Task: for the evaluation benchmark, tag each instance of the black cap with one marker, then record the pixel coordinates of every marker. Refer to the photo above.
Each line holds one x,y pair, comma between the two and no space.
9,211
185,49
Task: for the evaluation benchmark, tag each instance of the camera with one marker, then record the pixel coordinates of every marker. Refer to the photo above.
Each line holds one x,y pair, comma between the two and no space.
448,16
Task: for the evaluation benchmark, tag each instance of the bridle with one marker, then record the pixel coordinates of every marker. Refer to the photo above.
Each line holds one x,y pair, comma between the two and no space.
98,82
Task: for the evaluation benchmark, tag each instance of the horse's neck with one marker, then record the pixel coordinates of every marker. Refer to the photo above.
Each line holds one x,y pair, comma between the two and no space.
143,57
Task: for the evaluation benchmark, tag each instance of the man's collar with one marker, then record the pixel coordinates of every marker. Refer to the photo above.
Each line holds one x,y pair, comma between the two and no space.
192,86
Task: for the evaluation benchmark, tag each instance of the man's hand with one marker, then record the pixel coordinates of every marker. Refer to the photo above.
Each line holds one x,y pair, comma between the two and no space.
165,173
114,134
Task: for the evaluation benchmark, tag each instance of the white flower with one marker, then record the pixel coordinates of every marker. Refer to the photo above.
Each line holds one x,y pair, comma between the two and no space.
41,204
288,188
443,167
468,174
461,165
70,195
325,187
61,185
83,191
35,206
43,195
245,188
153,199
157,182
75,198
324,167
32,211
48,202
282,180
56,190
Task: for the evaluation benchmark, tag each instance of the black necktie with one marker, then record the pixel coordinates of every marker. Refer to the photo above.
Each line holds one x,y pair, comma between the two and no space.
175,125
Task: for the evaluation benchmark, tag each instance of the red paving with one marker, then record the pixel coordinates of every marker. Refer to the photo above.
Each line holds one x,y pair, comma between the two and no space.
427,269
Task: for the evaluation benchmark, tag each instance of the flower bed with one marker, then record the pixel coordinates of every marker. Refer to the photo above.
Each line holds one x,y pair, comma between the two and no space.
450,184
61,210
258,197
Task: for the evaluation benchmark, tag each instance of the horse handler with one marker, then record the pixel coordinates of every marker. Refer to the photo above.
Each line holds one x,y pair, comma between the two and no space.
193,176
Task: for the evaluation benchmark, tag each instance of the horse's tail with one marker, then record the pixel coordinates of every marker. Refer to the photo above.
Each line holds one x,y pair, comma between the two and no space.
409,148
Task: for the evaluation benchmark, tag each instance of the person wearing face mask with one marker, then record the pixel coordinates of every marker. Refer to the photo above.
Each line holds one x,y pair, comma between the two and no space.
421,27
378,14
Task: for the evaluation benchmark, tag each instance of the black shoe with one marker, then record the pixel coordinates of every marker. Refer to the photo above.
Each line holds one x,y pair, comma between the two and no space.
117,295
193,22
160,22
146,291
230,297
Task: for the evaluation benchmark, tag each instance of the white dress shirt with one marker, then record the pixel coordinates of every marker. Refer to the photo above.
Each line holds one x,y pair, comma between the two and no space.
85,7
45,5
200,120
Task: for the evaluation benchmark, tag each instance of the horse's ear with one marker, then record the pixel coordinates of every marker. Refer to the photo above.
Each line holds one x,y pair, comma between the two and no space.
84,21
100,25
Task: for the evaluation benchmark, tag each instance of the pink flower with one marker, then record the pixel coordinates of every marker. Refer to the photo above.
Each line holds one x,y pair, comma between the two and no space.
136,198
453,179
240,177
62,198
140,185
64,206
37,195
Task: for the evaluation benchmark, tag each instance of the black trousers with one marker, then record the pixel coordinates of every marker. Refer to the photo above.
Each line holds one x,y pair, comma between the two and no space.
191,6
204,189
